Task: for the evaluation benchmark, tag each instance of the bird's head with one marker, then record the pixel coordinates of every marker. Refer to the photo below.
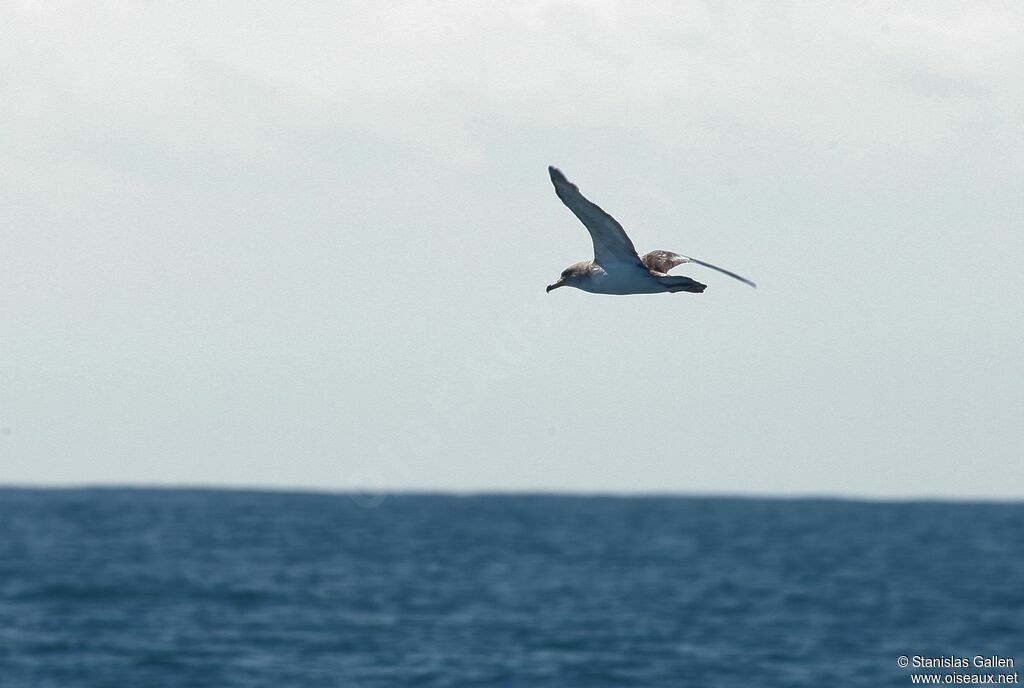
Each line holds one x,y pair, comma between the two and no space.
572,276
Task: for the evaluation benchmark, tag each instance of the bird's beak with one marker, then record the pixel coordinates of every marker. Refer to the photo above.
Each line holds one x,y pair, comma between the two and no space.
556,285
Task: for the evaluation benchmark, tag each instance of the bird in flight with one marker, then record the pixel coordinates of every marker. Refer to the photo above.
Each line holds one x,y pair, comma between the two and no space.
616,267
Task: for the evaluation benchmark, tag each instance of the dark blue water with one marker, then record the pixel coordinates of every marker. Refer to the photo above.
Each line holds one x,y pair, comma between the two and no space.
207,588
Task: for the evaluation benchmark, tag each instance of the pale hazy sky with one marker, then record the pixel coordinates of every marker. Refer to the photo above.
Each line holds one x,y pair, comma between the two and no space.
253,243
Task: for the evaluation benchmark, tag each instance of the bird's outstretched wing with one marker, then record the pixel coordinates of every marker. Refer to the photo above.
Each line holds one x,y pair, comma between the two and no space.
611,244
663,261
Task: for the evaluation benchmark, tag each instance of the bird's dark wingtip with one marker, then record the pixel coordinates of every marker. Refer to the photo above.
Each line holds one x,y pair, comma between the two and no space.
556,174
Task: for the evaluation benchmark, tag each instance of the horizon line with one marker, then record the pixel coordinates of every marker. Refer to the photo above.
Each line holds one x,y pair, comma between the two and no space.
383,493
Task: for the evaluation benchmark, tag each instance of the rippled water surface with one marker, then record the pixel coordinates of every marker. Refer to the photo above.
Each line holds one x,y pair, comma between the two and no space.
210,588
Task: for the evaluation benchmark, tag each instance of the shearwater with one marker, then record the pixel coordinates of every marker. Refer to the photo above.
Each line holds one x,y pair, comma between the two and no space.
616,267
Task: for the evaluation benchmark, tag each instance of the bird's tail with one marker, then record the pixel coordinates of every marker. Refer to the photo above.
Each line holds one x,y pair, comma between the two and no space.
674,283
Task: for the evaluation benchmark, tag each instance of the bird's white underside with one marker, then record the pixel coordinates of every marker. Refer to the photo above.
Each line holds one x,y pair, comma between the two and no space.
621,279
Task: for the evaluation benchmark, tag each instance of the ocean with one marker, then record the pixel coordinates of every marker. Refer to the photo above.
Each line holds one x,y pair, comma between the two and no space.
145,588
